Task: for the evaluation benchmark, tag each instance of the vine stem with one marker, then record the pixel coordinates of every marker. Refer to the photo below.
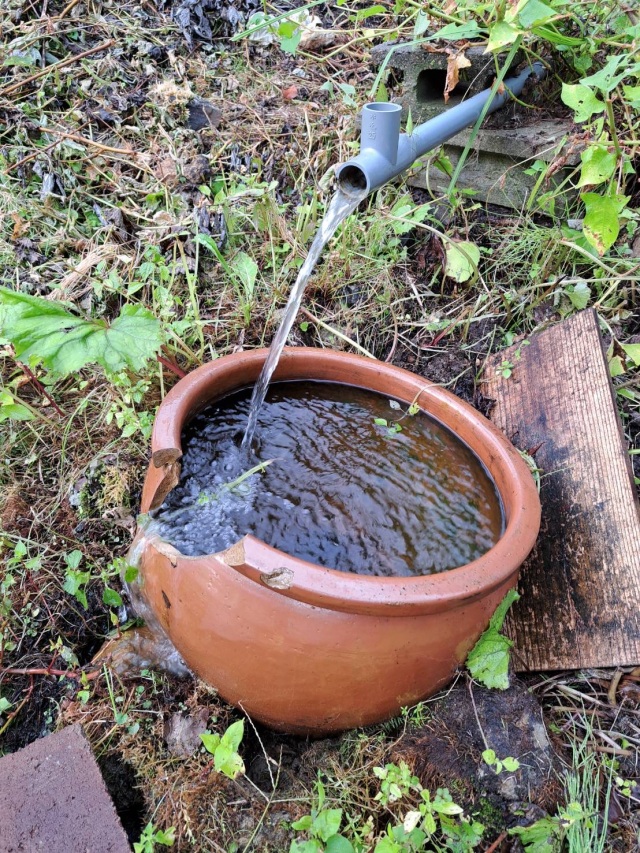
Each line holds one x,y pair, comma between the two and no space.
171,366
64,673
41,388
55,66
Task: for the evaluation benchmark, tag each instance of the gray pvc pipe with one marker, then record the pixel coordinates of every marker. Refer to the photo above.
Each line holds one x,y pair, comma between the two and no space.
385,152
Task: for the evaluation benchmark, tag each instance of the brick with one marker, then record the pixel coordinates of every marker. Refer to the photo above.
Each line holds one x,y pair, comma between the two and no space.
53,798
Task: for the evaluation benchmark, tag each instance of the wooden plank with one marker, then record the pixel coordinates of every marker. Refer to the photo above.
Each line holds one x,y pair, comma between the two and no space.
580,588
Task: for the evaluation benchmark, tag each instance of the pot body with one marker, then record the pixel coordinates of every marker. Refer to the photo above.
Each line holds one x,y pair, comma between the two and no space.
311,650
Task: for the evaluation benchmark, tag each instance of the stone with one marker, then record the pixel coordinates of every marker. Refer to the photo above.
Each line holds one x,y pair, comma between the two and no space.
446,751
53,798
202,115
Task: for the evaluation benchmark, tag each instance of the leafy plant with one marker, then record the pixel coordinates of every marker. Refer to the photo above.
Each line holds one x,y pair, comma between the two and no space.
547,834
433,817
323,828
499,764
10,408
152,836
395,782
75,581
488,660
45,332
225,749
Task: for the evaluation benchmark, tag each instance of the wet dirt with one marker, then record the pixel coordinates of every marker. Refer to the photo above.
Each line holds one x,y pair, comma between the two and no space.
446,751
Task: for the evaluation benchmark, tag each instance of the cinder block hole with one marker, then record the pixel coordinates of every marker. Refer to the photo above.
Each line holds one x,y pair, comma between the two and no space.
430,87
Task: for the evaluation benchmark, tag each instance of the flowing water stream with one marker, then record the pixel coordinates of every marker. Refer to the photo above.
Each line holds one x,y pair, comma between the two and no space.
339,208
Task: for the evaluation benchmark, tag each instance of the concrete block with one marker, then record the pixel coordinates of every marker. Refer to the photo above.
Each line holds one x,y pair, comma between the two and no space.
53,799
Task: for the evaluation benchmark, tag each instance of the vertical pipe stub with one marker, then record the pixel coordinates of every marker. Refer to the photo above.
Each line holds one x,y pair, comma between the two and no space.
381,129
378,145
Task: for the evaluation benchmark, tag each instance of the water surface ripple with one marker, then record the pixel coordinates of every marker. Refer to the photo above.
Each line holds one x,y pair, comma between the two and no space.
343,492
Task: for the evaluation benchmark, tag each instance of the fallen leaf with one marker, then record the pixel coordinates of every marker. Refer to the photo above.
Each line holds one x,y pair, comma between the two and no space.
182,732
313,36
454,64
290,92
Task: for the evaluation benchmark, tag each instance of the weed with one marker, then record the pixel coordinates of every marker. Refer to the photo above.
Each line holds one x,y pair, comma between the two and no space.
151,837
224,749
509,763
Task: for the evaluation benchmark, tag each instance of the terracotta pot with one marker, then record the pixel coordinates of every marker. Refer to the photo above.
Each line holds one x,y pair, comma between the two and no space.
311,650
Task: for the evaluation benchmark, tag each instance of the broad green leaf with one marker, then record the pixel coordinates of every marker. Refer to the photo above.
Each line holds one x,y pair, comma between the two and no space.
511,764
601,225
233,735
447,808
421,25
289,34
632,351
228,762
111,598
582,101
488,661
461,260
210,741
327,823
9,408
535,13
616,367
303,823
363,14
632,96
311,846
598,165
246,270
489,757
130,574
579,294
608,77
388,845
338,844
165,837
501,35
74,583
73,558
456,32
4,705
540,837
45,332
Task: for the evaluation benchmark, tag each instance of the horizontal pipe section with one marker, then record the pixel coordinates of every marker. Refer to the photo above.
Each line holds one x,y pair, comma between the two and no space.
375,165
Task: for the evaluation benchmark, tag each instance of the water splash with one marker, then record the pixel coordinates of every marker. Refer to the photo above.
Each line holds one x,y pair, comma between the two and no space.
339,208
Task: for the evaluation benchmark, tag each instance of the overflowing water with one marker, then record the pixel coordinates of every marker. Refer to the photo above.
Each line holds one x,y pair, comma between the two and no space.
339,208
349,480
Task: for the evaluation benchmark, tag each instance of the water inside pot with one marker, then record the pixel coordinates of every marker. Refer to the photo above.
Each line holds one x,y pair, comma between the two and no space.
349,480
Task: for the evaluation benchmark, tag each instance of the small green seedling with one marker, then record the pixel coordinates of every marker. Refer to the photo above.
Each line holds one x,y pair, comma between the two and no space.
225,749
499,764
152,836
395,782
323,828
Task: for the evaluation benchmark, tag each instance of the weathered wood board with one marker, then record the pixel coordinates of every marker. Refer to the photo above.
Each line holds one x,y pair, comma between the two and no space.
580,588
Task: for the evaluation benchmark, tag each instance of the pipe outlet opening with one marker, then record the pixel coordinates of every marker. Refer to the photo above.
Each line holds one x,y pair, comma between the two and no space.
352,180
383,107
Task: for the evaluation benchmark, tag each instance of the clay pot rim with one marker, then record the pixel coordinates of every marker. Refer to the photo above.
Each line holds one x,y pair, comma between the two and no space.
331,588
